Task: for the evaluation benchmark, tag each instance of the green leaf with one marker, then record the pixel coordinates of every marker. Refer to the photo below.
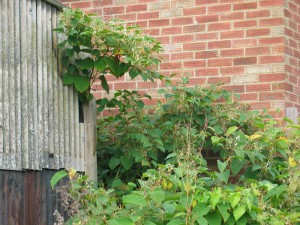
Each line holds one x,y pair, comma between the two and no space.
214,218
215,140
86,63
235,199
127,161
222,165
231,130
202,221
111,64
81,83
125,221
113,163
157,195
236,165
100,64
201,209
176,221
57,177
134,199
104,83
223,176
68,79
239,212
223,208
133,73
149,223
242,221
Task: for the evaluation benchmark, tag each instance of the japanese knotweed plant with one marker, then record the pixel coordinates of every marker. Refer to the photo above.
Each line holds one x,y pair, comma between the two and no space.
93,48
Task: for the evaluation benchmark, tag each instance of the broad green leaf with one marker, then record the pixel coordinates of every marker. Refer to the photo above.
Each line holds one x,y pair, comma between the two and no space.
127,161
235,199
236,165
176,221
231,220
100,64
157,195
169,208
215,140
201,209
223,176
239,212
133,73
140,104
215,197
104,83
57,177
134,199
231,130
67,78
125,221
149,223
122,68
214,218
81,83
223,208
86,63
113,163
275,191
202,221
111,64
242,221
222,165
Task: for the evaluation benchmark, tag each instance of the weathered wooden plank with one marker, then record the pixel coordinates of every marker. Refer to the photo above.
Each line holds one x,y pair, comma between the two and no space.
66,127
71,126
24,78
55,89
45,88
34,77
82,146
17,86
50,86
90,156
1,90
40,94
76,133
5,86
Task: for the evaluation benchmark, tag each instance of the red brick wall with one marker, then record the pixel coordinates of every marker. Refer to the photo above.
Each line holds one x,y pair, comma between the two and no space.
250,46
292,50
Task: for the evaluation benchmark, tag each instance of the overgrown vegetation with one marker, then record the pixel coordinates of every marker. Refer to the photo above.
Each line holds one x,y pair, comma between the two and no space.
195,158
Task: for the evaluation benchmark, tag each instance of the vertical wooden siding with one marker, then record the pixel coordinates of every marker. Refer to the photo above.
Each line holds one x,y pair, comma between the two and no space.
39,117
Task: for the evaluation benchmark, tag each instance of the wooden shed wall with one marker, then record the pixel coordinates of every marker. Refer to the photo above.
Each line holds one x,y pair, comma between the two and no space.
39,117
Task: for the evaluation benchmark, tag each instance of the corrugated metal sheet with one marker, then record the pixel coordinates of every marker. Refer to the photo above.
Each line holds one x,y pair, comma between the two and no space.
39,117
26,198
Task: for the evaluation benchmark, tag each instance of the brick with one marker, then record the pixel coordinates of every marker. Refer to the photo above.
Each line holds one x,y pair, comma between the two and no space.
194,63
127,2
233,34
232,16
267,3
207,72
182,56
256,69
163,39
206,54
244,6
219,62
182,21
258,51
263,96
219,26
136,8
147,85
194,46
194,11
245,61
258,32
247,97
271,22
219,44
207,36
114,10
159,23
171,30
234,88
207,18
167,13
183,38
170,65
258,14
194,28
271,59
184,3
218,8
260,105
124,85
82,5
196,81
271,40
159,6
97,4
148,15
245,79
244,43
246,23
231,52
127,16
232,70
205,2
218,80
258,87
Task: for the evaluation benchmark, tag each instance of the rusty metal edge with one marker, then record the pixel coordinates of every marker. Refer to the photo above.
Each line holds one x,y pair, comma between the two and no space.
56,4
